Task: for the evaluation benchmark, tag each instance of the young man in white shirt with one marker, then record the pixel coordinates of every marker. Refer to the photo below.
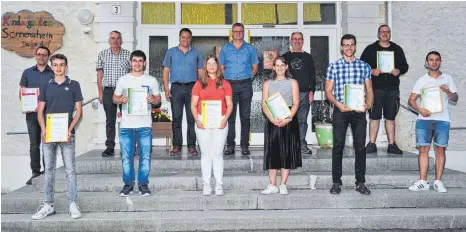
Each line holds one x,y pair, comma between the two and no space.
136,127
436,125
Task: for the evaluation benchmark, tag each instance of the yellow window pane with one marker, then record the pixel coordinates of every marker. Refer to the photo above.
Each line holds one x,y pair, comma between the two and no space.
287,13
235,13
253,13
203,14
311,12
158,13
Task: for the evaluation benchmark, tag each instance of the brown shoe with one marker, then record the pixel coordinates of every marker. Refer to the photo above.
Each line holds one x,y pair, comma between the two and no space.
229,150
176,151
193,151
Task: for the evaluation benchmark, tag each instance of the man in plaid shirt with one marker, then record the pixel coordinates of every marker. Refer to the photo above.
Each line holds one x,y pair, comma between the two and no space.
348,70
112,63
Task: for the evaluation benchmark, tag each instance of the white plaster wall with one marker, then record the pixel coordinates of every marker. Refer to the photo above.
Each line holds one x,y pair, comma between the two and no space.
81,51
420,27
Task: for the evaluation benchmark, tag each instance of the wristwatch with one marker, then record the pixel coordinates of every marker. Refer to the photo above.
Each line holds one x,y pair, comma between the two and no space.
288,118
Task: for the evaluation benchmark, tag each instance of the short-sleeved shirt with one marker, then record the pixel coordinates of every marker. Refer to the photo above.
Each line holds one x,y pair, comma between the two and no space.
113,65
61,98
238,62
130,81
211,92
183,66
342,72
33,78
428,81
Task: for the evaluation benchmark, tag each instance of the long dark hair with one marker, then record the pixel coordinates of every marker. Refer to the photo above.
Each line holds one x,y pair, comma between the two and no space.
273,75
205,78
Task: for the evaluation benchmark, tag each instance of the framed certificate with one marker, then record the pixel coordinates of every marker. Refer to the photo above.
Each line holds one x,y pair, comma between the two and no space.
269,56
211,113
277,106
29,99
354,96
431,98
56,128
385,61
137,101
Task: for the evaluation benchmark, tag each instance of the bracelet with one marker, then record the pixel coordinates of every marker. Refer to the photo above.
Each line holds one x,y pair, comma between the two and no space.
288,118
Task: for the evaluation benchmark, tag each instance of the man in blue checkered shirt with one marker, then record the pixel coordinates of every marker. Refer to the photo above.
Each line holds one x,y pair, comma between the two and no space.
348,70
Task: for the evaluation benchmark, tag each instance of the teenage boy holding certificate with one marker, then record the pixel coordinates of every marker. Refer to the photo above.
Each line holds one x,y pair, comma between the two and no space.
31,80
136,91
211,106
388,63
348,70
57,101
436,90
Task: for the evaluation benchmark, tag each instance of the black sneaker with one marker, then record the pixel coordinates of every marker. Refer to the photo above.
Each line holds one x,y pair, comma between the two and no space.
371,148
126,190
108,152
144,190
306,150
34,175
229,150
393,148
336,188
245,150
362,188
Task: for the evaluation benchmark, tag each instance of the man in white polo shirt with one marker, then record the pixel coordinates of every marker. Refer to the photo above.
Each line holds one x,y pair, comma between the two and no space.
436,125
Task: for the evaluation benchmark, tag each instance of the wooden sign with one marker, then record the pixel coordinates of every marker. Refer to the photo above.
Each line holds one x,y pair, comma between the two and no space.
24,31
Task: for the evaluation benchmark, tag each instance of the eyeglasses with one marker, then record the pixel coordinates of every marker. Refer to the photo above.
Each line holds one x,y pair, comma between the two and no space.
386,32
348,45
238,31
113,38
298,39
41,55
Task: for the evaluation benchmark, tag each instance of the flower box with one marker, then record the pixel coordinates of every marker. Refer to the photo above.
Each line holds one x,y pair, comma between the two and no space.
163,130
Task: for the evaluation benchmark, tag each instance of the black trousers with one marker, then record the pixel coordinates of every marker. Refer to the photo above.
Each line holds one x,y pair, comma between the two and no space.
110,109
242,95
181,97
358,124
34,132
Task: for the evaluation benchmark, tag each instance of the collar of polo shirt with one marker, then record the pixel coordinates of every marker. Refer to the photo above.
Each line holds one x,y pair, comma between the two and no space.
67,80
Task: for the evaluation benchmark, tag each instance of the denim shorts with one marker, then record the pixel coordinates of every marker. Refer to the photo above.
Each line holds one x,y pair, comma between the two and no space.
426,129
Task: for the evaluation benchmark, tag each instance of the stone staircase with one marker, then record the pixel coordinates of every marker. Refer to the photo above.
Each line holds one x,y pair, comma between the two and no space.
177,203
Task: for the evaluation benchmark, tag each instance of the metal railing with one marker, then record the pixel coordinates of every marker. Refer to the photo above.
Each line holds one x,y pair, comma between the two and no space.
25,132
410,109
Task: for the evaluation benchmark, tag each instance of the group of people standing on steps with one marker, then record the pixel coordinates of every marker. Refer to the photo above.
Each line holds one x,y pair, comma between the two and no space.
194,79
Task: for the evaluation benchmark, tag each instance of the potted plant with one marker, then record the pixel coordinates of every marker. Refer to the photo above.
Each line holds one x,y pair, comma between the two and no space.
161,124
323,120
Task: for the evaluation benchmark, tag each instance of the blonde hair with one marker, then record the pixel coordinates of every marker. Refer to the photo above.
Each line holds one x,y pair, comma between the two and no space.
205,78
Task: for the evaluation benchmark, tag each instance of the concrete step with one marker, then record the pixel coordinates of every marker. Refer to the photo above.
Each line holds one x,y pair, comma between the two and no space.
247,220
320,161
252,180
176,200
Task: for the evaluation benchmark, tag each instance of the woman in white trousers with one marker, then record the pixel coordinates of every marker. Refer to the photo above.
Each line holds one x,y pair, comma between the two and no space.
211,91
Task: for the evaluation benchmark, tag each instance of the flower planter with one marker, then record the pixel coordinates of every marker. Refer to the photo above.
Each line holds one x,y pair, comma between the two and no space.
324,133
163,130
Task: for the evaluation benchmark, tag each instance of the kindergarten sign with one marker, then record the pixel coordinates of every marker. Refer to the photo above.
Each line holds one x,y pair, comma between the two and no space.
24,31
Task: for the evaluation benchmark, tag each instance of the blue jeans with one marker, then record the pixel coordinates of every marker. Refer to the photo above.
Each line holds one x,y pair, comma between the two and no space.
426,129
50,161
303,113
128,137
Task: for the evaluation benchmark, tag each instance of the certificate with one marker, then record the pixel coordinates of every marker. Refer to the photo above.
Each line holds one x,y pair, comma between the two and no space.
211,113
277,106
29,99
385,61
137,101
431,98
56,128
269,56
354,96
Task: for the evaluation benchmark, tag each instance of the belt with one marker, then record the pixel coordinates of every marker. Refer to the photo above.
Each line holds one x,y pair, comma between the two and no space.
239,81
185,83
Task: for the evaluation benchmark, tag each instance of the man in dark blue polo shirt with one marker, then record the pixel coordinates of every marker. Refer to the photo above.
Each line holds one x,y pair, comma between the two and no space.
182,65
60,95
34,77
239,63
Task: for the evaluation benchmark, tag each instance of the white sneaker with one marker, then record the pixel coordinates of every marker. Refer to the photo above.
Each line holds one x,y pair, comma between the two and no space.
438,185
46,210
283,190
270,189
420,185
207,191
74,211
218,191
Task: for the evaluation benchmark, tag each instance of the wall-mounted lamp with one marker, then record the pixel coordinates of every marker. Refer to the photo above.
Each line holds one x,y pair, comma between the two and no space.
85,17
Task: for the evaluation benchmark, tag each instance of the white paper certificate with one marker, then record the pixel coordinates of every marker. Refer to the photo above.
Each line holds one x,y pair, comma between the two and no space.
354,96
431,98
277,106
56,128
137,101
211,113
385,61
29,99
